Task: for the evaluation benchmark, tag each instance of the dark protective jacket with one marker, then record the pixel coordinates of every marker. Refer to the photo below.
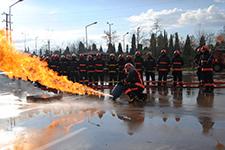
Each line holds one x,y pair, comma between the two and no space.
163,63
133,81
206,62
121,64
150,64
82,65
91,66
177,63
112,66
99,65
138,62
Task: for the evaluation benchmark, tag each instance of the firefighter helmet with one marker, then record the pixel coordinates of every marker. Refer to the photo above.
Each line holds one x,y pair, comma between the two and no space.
90,57
205,48
81,56
149,54
163,51
176,52
137,53
128,67
112,55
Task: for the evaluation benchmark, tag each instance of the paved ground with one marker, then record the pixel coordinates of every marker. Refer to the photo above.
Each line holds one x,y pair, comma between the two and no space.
181,119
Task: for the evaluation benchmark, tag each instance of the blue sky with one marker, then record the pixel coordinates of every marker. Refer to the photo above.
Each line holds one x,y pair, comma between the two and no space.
64,21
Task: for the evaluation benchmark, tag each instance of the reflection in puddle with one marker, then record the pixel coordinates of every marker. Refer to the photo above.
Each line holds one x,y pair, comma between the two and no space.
30,138
180,117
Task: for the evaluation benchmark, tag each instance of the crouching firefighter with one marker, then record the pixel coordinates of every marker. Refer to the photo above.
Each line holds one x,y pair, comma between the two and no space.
132,85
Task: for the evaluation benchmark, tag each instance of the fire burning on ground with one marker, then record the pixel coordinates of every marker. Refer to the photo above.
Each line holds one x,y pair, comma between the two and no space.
16,64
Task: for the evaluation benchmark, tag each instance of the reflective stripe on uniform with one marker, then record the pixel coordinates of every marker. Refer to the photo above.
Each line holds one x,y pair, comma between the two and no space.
130,90
207,69
177,63
98,70
99,65
140,85
163,63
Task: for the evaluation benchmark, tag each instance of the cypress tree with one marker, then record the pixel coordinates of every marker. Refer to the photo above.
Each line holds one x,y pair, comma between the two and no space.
177,42
133,45
153,44
202,41
171,46
120,50
188,52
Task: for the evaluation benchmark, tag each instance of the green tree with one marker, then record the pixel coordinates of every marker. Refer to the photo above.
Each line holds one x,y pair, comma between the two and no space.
110,48
202,41
133,45
100,49
160,44
171,46
177,42
67,51
120,50
40,52
81,47
127,48
153,44
188,52
94,47
165,40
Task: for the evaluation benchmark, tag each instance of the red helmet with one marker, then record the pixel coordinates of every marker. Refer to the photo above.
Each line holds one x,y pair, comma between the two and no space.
163,51
176,52
128,66
81,55
204,48
137,53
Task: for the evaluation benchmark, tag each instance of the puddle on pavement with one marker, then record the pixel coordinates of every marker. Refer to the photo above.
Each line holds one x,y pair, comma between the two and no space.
170,119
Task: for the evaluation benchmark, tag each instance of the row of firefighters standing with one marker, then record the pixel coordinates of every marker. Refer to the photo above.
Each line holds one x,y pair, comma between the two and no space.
90,71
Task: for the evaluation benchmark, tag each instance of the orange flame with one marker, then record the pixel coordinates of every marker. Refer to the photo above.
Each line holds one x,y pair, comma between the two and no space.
20,65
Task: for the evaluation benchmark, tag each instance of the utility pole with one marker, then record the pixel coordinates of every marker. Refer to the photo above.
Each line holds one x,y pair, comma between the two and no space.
110,32
86,34
36,50
6,20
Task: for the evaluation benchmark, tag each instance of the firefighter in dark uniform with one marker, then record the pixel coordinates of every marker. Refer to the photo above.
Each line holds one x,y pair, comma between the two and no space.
138,62
133,83
90,70
112,69
149,67
177,64
54,63
82,69
198,64
121,64
63,66
206,63
99,69
163,65
69,67
75,71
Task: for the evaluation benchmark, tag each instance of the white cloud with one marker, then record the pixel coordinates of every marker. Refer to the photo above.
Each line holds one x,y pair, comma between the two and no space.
173,18
210,16
219,1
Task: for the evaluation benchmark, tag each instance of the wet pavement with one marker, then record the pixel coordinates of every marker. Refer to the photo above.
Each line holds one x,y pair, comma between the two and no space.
171,119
